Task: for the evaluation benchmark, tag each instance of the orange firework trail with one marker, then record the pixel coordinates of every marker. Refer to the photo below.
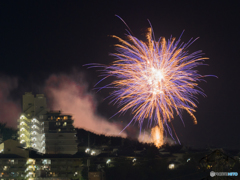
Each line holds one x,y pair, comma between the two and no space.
155,79
157,136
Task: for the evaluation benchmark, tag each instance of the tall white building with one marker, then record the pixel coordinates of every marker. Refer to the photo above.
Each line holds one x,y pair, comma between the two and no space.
47,132
31,124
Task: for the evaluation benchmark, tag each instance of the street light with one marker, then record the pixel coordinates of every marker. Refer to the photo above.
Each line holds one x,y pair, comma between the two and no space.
108,161
87,150
93,153
171,166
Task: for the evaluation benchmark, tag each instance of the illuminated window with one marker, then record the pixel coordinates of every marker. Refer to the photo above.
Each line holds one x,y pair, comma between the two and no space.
46,161
65,123
65,118
58,118
11,161
58,123
30,161
51,118
59,130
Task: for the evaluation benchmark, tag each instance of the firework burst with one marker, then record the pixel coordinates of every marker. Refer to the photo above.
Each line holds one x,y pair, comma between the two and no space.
156,80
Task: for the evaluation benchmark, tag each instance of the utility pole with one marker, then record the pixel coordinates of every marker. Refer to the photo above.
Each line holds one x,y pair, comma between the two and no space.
88,140
88,160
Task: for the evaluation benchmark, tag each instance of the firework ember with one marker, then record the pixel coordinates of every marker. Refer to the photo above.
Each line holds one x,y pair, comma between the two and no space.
156,80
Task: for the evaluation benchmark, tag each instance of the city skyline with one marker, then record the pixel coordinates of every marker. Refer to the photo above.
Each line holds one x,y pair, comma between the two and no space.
47,40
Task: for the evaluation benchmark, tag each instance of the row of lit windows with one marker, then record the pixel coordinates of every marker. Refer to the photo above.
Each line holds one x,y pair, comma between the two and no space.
58,118
59,123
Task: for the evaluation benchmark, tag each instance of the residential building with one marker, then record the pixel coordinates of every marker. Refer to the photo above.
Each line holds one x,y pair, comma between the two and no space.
31,131
46,131
60,134
11,146
36,167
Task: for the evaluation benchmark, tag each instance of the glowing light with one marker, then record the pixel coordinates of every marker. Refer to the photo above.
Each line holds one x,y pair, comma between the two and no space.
22,135
34,120
108,161
93,153
34,132
34,126
30,161
157,135
87,150
22,116
134,160
171,166
156,80
22,141
21,129
21,123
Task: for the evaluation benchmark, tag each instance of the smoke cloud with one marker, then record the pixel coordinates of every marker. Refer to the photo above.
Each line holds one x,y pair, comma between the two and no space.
10,110
70,95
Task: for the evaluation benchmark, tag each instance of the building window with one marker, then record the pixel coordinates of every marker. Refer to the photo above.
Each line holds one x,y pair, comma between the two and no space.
59,130
46,161
58,123
11,161
65,118
65,123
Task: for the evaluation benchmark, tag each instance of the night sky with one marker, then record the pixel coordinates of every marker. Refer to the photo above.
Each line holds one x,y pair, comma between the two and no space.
40,38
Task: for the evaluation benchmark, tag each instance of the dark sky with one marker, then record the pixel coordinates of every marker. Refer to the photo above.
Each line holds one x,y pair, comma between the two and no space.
39,38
